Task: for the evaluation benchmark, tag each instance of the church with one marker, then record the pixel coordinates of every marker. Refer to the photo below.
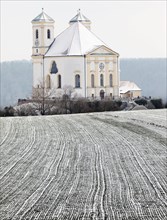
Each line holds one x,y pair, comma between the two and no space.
76,58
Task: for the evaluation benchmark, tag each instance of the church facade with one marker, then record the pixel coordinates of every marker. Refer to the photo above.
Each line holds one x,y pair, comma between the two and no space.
76,58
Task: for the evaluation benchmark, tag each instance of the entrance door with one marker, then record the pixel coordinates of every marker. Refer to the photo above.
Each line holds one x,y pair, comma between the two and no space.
102,94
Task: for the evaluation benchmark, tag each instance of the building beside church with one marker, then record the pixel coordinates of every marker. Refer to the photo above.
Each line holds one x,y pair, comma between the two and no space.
129,90
76,57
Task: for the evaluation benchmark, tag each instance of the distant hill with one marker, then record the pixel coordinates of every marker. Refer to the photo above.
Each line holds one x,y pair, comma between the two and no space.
15,81
148,74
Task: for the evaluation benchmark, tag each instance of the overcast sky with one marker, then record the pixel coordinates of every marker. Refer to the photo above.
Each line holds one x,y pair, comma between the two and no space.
131,28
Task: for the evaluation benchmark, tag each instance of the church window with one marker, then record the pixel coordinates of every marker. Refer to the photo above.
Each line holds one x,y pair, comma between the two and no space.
36,34
77,81
59,81
101,80
48,82
111,80
92,80
54,68
48,34
36,50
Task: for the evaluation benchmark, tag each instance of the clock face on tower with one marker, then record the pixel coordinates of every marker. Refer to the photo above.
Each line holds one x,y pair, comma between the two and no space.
101,66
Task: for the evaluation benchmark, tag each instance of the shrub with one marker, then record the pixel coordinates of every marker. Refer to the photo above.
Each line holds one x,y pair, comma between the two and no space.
84,105
150,105
106,105
8,111
165,105
2,113
80,106
157,103
119,103
25,110
141,102
124,105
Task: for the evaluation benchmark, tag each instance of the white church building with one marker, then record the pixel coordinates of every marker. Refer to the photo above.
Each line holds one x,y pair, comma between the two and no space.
76,57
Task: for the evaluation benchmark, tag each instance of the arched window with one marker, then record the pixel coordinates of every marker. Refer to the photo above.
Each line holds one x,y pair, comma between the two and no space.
48,34
54,69
36,34
48,82
101,80
59,81
92,81
77,81
110,80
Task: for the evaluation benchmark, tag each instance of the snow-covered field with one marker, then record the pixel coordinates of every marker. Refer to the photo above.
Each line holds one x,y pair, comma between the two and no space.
107,165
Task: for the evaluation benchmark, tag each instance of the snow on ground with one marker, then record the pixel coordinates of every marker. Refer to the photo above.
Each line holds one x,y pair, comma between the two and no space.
107,165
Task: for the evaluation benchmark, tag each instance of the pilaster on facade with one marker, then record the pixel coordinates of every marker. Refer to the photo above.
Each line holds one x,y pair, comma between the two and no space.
96,79
88,74
106,73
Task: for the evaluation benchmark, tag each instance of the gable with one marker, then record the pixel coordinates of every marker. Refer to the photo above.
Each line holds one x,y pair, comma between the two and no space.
102,50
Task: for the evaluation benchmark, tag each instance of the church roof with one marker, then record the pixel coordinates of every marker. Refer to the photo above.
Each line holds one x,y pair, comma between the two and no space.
127,86
79,17
42,17
75,40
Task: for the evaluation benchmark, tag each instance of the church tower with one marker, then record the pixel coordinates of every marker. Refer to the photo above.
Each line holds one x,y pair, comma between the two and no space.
43,33
43,36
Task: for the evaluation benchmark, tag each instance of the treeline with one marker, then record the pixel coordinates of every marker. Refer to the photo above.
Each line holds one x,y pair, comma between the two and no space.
61,106
65,105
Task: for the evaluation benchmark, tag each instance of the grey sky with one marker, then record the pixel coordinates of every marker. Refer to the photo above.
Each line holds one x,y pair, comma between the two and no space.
132,28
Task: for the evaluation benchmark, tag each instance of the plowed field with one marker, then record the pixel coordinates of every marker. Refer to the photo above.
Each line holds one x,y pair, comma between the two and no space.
108,165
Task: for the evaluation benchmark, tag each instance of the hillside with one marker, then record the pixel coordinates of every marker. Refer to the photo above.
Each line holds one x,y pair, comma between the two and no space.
149,74
15,81
86,166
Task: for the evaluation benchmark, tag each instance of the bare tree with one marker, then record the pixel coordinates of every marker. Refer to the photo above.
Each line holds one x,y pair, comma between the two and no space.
43,99
67,96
